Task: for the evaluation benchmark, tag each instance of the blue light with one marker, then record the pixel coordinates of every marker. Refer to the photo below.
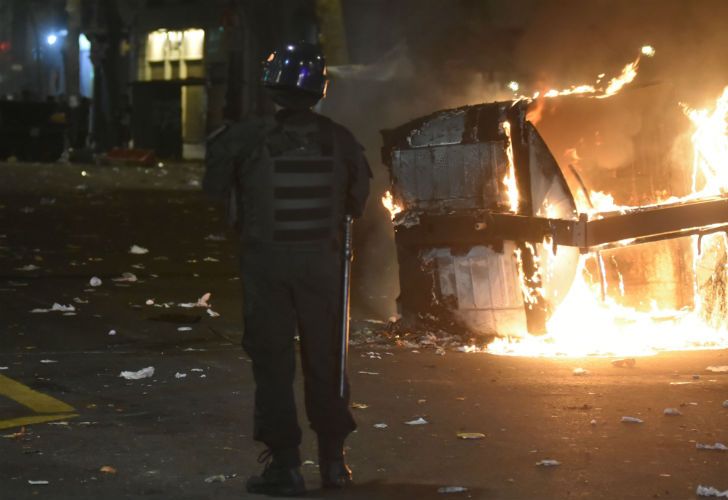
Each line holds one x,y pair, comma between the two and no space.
51,39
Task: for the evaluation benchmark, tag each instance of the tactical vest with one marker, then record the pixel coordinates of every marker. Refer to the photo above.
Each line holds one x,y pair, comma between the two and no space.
293,189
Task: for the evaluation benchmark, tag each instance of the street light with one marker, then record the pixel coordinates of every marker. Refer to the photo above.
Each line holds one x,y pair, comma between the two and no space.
51,39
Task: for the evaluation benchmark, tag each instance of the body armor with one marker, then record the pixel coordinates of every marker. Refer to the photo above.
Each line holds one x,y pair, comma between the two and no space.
293,188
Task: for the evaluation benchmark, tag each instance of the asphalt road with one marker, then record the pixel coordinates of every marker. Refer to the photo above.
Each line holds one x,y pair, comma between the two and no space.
184,433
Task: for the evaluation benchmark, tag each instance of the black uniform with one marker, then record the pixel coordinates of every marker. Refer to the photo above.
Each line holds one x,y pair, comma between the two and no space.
290,182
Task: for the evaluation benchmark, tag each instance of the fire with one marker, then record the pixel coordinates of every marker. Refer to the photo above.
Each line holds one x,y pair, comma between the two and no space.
591,323
390,205
510,179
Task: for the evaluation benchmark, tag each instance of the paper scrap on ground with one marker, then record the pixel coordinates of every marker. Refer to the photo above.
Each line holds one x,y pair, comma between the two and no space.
368,373
212,313
718,369
137,250
184,329
56,307
471,435
143,373
359,406
709,491
452,489
380,426
37,483
48,361
112,332
632,420
219,478
417,421
107,469
548,463
201,302
180,375
95,281
29,267
126,278
211,259
580,371
672,412
716,446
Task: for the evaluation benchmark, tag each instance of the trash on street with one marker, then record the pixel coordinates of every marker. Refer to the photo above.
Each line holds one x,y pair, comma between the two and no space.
716,447
580,372
417,421
471,435
624,363
143,373
126,278
452,489
380,426
632,420
672,412
137,250
709,491
56,307
95,282
548,463
718,369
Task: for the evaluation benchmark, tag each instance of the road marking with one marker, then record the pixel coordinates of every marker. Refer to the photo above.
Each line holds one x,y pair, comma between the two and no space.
49,408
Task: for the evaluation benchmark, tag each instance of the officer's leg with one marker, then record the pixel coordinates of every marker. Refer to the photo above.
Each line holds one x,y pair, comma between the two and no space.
269,341
316,295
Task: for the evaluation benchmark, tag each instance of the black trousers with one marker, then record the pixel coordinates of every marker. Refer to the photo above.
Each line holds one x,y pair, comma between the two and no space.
287,290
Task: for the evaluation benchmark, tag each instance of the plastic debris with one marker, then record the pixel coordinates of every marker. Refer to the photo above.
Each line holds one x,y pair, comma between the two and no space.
211,259
380,426
94,282
201,302
417,421
718,369
212,313
180,375
672,412
137,250
29,267
3,368
38,483
126,278
219,478
624,363
359,406
548,463
215,237
368,373
143,373
471,435
184,329
716,447
632,420
112,332
48,361
593,422
452,489
709,491
580,372
56,307
107,469
150,302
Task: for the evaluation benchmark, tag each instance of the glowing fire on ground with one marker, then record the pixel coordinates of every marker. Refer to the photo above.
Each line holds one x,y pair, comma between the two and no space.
585,325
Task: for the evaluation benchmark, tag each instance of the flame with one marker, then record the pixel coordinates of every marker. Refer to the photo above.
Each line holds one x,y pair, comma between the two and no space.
510,179
390,205
589,322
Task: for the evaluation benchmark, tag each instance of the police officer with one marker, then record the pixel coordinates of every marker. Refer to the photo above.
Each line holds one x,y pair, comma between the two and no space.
290,180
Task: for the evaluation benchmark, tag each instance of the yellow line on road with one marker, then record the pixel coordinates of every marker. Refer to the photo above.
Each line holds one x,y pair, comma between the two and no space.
37,419
39,403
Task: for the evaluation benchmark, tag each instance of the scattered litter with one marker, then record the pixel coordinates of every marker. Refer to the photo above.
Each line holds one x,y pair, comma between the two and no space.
716,446
308,462
680,383
29,267
632,420
150,302
380,426
80,301
672,412
452,489
580,372
138,266
471,435
180,375
107,469
56,307
48,361
38,483
709,491
197,370
417,421
368,373
3,368
112,332
213,314
143,373
696,377
184,329
215,237
94,282
137,250
624,363
126,278
15,435
548,463
725,403
201,302
219,478
718,369
211,259
593,422
359,406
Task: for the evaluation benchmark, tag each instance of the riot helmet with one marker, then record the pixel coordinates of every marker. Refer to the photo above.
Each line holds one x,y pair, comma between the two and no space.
296,75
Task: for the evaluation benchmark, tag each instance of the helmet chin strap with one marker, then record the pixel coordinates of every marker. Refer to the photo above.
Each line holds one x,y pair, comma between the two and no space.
297,101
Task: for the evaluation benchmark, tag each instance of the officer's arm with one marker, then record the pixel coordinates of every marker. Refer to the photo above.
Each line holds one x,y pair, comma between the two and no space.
359,176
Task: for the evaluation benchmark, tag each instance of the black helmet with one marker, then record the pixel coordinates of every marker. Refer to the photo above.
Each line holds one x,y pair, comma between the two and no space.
296,66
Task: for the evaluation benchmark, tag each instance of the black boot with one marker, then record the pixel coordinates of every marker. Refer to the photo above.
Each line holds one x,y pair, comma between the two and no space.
335,474
332,466
277,478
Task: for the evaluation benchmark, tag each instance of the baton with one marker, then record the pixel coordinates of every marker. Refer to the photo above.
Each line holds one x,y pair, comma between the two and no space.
347,257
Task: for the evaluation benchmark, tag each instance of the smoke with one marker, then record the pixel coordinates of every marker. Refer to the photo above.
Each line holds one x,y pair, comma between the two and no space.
410,58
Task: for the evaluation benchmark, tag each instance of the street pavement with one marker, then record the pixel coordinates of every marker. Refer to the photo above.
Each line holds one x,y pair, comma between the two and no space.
69,421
